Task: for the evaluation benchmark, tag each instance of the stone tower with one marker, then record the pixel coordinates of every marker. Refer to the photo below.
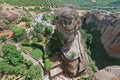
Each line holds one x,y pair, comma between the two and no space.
68,41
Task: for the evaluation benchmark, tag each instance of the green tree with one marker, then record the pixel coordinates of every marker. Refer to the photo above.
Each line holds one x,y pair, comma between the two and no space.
12,60
19,33
34,73
38,28
48,30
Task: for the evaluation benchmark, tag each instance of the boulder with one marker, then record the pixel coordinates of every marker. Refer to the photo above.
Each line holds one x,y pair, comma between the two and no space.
108,73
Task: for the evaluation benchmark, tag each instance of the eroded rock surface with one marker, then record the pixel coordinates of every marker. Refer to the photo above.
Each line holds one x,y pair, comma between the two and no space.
108,73
7,17
109,25
69,42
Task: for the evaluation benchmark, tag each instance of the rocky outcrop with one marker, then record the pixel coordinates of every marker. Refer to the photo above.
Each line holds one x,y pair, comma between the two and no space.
71,48
108,73
10,17
109,25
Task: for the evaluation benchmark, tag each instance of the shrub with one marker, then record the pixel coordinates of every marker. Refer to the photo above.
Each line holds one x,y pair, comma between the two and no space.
24,18
3,38
6,21
36,53
48,30
1,29
47,64
25,43
48,18
34,40
45,8
38,28
85,78
18,33
37,9
1,8
28,23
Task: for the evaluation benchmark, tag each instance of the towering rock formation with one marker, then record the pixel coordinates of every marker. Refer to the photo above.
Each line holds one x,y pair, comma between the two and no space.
109,25
68,41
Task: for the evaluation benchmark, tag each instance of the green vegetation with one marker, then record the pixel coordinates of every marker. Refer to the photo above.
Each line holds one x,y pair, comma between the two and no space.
97,55
36,53
46,8
48,18
6,21
88,40
1,29
110,5
39,9
3,38
48,30
18,33
57,41
27,11
73,54
34,73
26,49
32,2
24,19
38,28
12,61
41,31
84,78
47,64
1,8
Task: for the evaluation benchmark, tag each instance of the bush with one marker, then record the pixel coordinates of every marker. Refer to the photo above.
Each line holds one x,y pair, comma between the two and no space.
28,23
6,21
38,28
18,33
24,18
48,18
47,64
34,40
36,53
37,9
46,8
1,29
1,8
48,30
85,78
3,38
25,43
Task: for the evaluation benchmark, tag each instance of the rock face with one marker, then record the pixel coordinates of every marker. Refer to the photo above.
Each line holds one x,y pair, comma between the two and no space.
9,16
108,73
109,25
72,47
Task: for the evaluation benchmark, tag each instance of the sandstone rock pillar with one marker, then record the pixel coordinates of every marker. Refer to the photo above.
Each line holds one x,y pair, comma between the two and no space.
69,41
